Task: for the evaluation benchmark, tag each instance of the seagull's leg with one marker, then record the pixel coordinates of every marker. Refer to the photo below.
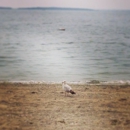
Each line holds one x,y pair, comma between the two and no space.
65,93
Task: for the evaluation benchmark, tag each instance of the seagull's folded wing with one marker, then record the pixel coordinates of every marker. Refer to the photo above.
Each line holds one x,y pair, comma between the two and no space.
67,87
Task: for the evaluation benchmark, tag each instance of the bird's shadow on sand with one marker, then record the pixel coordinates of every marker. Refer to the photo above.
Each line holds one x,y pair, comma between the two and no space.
69,96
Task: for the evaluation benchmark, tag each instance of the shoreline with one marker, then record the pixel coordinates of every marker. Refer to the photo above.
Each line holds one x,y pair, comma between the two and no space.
88,82
44,106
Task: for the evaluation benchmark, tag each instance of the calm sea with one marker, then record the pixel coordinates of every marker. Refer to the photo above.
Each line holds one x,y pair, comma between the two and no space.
94,46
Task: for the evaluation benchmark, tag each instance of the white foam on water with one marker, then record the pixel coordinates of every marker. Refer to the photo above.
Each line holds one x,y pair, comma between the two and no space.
116,82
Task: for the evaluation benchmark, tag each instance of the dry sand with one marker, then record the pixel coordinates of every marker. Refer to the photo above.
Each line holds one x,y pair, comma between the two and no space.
44,107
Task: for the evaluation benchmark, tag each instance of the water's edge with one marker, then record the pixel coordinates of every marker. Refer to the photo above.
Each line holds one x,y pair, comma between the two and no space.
92,82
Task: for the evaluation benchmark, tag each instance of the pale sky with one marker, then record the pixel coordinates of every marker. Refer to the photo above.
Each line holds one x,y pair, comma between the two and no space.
92,4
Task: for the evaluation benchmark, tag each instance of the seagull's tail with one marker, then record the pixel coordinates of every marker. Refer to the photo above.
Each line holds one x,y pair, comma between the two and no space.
72,92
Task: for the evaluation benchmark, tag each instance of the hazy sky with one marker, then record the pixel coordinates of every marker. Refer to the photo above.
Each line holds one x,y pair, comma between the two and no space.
93,4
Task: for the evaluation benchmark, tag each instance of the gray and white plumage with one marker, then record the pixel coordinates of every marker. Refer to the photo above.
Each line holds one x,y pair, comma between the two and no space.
67,88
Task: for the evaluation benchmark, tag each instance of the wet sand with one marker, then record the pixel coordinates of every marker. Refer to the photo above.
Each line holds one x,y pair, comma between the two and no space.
44,107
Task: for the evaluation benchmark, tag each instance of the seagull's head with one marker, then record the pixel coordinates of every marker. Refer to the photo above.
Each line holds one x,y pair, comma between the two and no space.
64,82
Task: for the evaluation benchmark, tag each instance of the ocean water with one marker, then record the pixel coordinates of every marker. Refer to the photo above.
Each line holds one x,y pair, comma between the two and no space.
94,46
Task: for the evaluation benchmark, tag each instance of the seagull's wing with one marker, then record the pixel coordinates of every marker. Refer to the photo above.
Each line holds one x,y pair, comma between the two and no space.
67,87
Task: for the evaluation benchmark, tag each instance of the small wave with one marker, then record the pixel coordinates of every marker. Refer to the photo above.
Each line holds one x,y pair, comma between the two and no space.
111,43
6,57
123,44
115,73
70,42
118,82
126,65
88,82
126,36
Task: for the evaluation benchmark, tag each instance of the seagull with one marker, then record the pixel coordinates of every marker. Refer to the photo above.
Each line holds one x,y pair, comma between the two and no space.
67,88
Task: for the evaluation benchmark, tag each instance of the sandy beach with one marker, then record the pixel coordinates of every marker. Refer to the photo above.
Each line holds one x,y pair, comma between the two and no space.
45,107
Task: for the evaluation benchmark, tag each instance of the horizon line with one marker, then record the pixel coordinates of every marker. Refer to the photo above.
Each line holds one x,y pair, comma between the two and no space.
62,8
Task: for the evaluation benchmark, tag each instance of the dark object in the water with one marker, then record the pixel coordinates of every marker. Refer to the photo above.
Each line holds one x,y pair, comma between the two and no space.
94,82
61,29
